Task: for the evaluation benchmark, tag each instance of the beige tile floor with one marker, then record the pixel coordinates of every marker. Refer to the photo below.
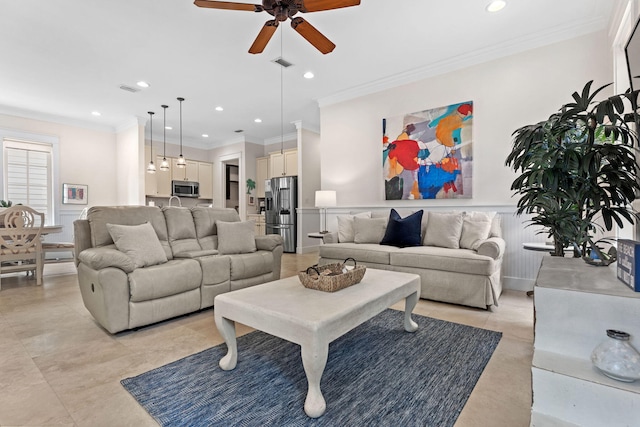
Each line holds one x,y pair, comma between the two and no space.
57,367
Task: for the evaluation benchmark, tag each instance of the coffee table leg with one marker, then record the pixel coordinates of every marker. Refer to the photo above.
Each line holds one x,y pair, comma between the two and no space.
314,359
227,329
409,305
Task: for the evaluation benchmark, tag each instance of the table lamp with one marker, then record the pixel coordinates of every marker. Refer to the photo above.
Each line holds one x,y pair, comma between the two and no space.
325,199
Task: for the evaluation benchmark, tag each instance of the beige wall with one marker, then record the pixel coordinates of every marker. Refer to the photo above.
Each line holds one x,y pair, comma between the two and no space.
86,156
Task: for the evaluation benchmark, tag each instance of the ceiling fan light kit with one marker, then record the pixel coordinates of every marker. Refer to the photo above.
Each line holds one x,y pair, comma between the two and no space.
282,10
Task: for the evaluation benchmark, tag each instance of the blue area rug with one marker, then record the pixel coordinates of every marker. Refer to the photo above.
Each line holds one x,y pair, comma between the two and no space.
377,374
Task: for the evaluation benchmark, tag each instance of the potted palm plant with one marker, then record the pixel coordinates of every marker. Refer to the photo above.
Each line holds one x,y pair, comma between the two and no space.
577,167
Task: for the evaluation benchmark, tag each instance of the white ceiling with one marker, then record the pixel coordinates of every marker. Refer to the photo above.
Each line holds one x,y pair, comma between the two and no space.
67,58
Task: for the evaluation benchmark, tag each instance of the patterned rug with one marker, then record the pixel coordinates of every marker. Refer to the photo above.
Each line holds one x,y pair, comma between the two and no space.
377,374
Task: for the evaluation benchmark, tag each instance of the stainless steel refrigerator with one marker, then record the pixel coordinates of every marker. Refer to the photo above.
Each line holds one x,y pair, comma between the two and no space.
281,201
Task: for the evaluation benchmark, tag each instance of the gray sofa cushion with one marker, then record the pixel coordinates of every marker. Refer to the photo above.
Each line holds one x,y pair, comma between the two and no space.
139,242
171,278
444,259
205,220
244,266
99,258
99,216
365,252
236,237
181,230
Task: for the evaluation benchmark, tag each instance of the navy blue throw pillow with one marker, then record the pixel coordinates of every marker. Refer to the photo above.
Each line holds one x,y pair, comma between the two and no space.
403,232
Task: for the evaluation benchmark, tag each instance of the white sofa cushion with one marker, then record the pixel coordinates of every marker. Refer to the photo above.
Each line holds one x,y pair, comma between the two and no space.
361,252
369,230
475,229
346,231
444,259
444,230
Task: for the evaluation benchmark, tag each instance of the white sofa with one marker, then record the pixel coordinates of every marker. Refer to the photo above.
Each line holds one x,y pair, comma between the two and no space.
459,258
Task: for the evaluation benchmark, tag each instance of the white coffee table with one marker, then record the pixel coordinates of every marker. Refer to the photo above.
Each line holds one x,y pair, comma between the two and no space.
311,318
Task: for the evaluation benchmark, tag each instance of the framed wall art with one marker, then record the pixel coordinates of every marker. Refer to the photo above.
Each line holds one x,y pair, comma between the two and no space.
428,154
75,194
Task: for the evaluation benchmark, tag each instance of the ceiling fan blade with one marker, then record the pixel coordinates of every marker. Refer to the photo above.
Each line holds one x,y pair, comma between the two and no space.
312,35
318,5
264,36
228,5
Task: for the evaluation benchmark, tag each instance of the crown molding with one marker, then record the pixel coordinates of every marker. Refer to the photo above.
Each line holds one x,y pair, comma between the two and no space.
305,126
131,122
53,118
507,48
277,139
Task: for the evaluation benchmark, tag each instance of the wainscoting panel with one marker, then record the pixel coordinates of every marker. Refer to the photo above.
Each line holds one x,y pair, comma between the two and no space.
66,220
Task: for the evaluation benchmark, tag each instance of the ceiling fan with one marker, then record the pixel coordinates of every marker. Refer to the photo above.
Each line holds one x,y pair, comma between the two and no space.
282,10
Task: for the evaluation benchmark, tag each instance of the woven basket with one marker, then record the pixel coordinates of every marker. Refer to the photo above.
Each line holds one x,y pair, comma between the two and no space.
331,277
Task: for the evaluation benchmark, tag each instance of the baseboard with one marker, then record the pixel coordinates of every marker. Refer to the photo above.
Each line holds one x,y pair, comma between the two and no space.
518,284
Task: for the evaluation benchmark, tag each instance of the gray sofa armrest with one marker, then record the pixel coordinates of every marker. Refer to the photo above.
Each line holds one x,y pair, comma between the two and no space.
195,254
492,247
99,258
330,237
81,238
269,242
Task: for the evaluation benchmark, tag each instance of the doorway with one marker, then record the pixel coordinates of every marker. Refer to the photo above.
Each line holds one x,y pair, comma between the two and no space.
232,184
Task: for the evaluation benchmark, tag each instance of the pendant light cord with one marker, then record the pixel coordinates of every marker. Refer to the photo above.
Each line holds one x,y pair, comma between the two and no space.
281,97
164,131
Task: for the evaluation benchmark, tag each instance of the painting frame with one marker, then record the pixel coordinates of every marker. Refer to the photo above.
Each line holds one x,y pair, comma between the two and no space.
75,194
428,155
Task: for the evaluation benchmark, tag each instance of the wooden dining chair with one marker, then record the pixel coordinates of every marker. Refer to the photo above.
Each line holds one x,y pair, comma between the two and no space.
20,242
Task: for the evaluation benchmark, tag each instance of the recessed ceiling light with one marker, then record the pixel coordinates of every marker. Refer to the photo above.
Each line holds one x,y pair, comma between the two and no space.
204,135
308,75
496,5
218,108
96,113
143,84
258,120
168,128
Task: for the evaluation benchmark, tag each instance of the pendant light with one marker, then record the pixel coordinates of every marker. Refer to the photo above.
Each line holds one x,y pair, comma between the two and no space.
181,161
151,168
164,166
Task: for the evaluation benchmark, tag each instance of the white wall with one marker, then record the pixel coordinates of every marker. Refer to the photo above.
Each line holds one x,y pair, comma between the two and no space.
130,167
507,93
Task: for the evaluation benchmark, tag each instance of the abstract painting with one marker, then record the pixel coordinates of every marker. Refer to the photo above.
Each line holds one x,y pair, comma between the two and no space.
428,155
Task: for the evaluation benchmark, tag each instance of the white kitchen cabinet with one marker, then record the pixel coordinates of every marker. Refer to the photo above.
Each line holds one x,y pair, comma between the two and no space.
283,164
262,174
205,178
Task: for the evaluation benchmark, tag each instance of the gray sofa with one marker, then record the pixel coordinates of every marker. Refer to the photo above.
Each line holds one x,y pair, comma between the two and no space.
166,262
458,265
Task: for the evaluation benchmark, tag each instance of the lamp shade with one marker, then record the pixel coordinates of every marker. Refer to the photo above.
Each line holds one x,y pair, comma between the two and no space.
325,198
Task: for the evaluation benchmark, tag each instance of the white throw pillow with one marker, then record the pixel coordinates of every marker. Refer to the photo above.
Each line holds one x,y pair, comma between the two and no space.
369,230
236,237
346,231
475,228
139,242
444,230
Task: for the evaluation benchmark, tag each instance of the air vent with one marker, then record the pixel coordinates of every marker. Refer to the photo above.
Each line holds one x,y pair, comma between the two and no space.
129,88
283,62
239,130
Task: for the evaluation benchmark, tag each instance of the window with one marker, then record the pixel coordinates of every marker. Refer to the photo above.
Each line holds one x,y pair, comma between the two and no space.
28,175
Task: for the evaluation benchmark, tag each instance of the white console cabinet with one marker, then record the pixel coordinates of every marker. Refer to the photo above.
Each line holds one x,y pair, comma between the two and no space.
575,304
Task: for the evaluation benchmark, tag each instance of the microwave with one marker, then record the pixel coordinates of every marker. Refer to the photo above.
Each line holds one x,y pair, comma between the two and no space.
185,189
